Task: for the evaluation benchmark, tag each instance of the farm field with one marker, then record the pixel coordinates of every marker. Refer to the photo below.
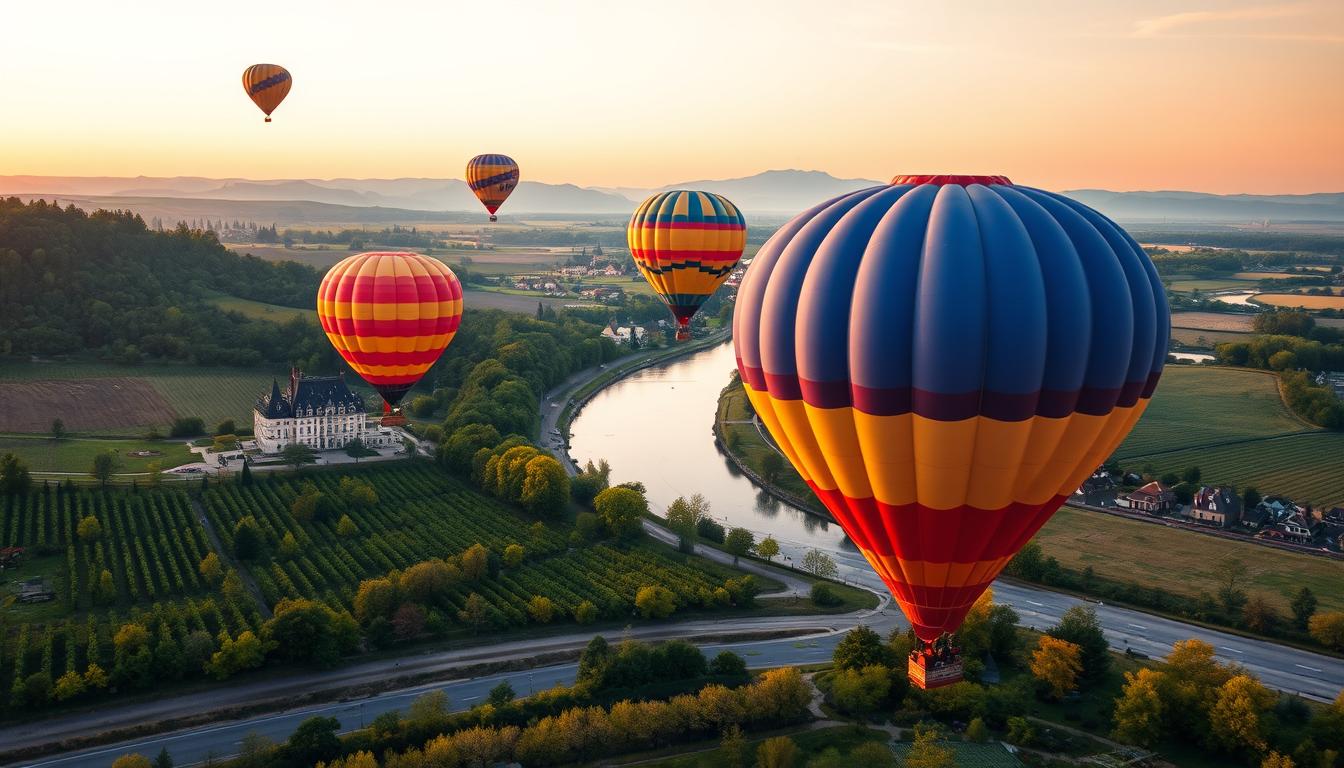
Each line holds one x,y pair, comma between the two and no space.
174,390
42,454
1298,300
1194,337
512,302
1264,275
258,310
1308,468
1213,321
1183,561
1196,406
1209,284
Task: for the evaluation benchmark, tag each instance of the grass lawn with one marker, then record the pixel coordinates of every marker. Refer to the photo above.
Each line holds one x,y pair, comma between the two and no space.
1184,562
745,442
53,569
1204,406
42,454
810,744
258,310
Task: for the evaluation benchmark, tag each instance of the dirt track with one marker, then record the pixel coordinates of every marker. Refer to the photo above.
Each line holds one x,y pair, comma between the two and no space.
83,404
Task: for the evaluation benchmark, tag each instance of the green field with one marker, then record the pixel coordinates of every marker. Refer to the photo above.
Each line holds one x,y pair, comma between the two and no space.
1196,406
1211,284
210,393
1194,337
1182,561
42,454
257,310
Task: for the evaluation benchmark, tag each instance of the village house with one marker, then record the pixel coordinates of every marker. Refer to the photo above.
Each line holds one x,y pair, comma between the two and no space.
1296,527
621,334
317,411
1153,499
1218,507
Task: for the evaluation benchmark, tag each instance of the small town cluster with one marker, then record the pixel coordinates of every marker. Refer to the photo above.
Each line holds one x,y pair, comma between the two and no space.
1271,518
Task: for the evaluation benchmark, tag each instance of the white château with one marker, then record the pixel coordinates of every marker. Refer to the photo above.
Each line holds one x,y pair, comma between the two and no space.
318,411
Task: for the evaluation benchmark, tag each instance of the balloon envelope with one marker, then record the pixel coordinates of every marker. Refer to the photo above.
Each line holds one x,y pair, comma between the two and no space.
685,243
944,360
390,315
267,85
492,178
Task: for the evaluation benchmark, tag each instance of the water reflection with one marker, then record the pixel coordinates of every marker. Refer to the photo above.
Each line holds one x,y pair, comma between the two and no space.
657,427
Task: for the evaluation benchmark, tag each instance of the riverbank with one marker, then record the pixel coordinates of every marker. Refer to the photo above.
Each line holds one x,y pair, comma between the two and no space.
740,437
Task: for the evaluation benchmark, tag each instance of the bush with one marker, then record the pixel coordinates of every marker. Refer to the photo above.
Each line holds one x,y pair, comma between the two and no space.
187,426
825,595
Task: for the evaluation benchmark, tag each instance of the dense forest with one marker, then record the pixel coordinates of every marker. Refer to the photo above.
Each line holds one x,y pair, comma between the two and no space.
1320,244
106,283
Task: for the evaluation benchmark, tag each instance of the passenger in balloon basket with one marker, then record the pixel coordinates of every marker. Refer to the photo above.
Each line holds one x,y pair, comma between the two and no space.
936,664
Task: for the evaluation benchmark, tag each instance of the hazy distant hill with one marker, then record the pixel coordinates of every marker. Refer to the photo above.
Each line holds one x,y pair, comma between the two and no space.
771,193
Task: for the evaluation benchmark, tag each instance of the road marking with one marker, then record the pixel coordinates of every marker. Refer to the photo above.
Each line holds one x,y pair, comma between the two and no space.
1304,666
1139,626
1234,650
1039,605
471,698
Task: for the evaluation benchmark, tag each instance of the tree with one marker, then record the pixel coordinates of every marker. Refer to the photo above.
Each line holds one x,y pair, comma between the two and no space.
1276,760
57,429
513,555
738,542
870,754
346,527
820,564
545,487
861,647
132,760
541,609
475,562
1191,475
297,454
315,740
927,751
1250,498
622,511
289,547
377,597
1231,573
235,655
408,621
655,602
860,692
89,529
226,427
105,465
14,476
977,732
989,628
357,494
1138,711
1328,629
772,464
585,612
768,548
1057,663
1304,606
1236,721
309,631
68,686
1079,626
1258,615
733,747
163,760
247,540
428,711
777,752
594,661
728,664
475,612
107,587
683,515
501,694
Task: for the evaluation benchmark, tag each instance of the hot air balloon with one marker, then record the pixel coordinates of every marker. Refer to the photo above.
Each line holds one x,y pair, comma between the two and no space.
685,243
267,85
944,360
390,315
492,178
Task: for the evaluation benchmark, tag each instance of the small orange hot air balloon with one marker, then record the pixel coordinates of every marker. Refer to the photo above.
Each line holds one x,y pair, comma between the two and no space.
390,315
492,179
267,85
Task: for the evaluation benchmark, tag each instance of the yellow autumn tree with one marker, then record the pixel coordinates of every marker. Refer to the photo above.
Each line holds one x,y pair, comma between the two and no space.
1138,711
1236,720
1057,663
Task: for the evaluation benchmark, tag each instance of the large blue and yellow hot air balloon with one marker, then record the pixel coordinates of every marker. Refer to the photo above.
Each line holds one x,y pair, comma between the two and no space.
492,178
685,244
944,360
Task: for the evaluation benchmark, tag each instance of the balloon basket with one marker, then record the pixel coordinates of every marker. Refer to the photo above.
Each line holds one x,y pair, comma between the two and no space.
683,333
394,420
494,218
935,665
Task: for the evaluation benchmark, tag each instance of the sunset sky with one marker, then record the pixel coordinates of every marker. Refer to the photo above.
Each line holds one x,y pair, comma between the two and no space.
1199,95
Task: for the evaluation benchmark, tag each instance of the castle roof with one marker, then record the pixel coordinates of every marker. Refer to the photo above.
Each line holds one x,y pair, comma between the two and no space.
308,394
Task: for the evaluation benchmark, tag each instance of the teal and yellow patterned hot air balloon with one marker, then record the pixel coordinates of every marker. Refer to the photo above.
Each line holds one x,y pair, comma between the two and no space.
685,243
492,178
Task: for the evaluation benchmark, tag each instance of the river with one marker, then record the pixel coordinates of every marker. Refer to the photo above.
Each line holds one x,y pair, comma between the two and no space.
656,427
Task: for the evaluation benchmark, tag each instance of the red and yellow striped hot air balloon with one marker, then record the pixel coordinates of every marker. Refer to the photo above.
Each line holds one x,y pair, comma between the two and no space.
390,315
944,360
492,179
685,244
267,85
